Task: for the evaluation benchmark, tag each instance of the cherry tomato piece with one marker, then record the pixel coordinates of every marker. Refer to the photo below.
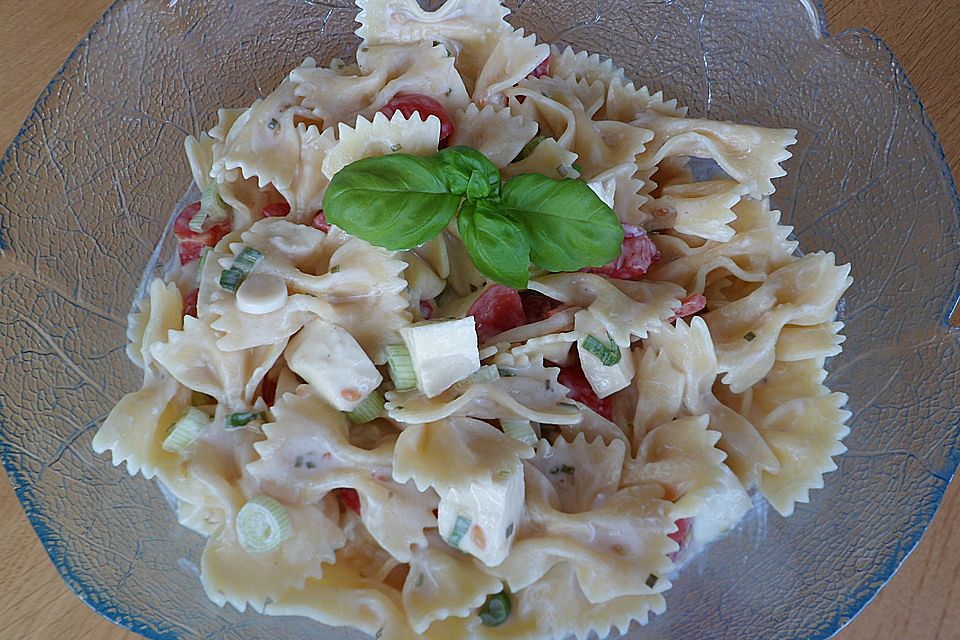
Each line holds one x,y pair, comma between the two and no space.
497,309
350,499
320,222
276,210
542,69
425,106
572,377
190,303
637,254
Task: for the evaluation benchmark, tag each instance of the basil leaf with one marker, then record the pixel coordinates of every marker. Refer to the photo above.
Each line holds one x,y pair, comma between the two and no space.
397,201
496,244
469,173
567,225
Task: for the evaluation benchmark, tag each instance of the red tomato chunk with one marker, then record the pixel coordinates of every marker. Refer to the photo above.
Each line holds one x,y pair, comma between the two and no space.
572,377
690,305
537,306
190,303
192,242
350,499
680,536
498,309
637,254
276,210
320,222
425,106
542,69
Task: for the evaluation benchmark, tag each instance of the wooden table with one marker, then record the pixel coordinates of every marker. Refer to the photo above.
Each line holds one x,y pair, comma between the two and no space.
920,603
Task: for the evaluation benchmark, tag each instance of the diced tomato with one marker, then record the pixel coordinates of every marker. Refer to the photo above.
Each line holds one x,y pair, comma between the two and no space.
497,309
350,499
276,210
190,303
320,222
410,103
680,536
192,242
190,250
690,305
572,377
537,306
637,254
426,309
542,69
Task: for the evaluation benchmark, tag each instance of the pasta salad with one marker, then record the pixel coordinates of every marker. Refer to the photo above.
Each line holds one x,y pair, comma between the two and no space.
470,337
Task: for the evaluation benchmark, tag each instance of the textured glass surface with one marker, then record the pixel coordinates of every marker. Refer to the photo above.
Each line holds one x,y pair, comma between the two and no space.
89,184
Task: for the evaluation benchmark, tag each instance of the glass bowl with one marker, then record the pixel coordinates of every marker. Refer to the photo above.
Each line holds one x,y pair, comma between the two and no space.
90,183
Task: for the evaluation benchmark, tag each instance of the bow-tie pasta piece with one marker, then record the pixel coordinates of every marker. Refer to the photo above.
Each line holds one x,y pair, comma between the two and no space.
583,473
382,136
815,342
699,209
512,59
233,575
746,332
749,155
159,313
496,133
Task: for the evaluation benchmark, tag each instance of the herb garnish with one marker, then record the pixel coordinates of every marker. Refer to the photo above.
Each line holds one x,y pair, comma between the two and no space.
400,201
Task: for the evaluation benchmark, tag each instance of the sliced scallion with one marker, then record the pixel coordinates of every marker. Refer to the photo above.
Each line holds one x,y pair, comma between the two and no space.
486,373
460,528
529,148
185,430
247,260
231,279
401,367
370,409
521,430
652,580
263,524
607,353
203,260
242,419
212,208
750,336
495,610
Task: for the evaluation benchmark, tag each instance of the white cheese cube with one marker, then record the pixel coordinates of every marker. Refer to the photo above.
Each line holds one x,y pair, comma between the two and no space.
330,360
442,353
604,379
481,518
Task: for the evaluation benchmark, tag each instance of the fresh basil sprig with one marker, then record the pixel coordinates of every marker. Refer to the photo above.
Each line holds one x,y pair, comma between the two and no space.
401,201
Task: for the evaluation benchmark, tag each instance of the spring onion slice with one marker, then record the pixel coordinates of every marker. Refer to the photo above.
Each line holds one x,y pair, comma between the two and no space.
211,208
486,373
263,524
521,430
237,420
460,528
608,354
370,409
401,367
247,260
529,148
496,609
231,279
185,430
203,261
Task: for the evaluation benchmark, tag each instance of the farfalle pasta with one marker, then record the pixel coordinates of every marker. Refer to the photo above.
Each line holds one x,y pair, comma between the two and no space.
391,438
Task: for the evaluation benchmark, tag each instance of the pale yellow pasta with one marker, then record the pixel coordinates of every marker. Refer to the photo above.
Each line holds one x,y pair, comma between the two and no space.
599,441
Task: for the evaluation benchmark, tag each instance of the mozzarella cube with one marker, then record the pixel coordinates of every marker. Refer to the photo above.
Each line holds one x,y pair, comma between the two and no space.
442,353
330,360
604,379
481,518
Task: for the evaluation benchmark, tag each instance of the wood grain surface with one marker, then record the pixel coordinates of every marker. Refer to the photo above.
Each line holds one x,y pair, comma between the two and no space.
920,603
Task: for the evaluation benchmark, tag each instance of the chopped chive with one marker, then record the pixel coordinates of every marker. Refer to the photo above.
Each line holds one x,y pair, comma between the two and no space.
419,582
298,463
401,367
652,580
396,147
504,473
247,260
506,373
546,385
448,92
237,420
263,524
607,354
273,125
370,409
750,336
495,610
335,269
310,464
460,528
230,279
185,430
509,530
568,470
521,430
529,148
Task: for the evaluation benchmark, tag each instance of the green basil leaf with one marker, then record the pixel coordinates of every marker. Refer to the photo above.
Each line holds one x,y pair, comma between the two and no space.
469,173
496,244
567,225
397,201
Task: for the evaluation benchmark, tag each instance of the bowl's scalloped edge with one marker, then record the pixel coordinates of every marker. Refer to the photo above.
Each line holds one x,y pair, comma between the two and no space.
88,593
